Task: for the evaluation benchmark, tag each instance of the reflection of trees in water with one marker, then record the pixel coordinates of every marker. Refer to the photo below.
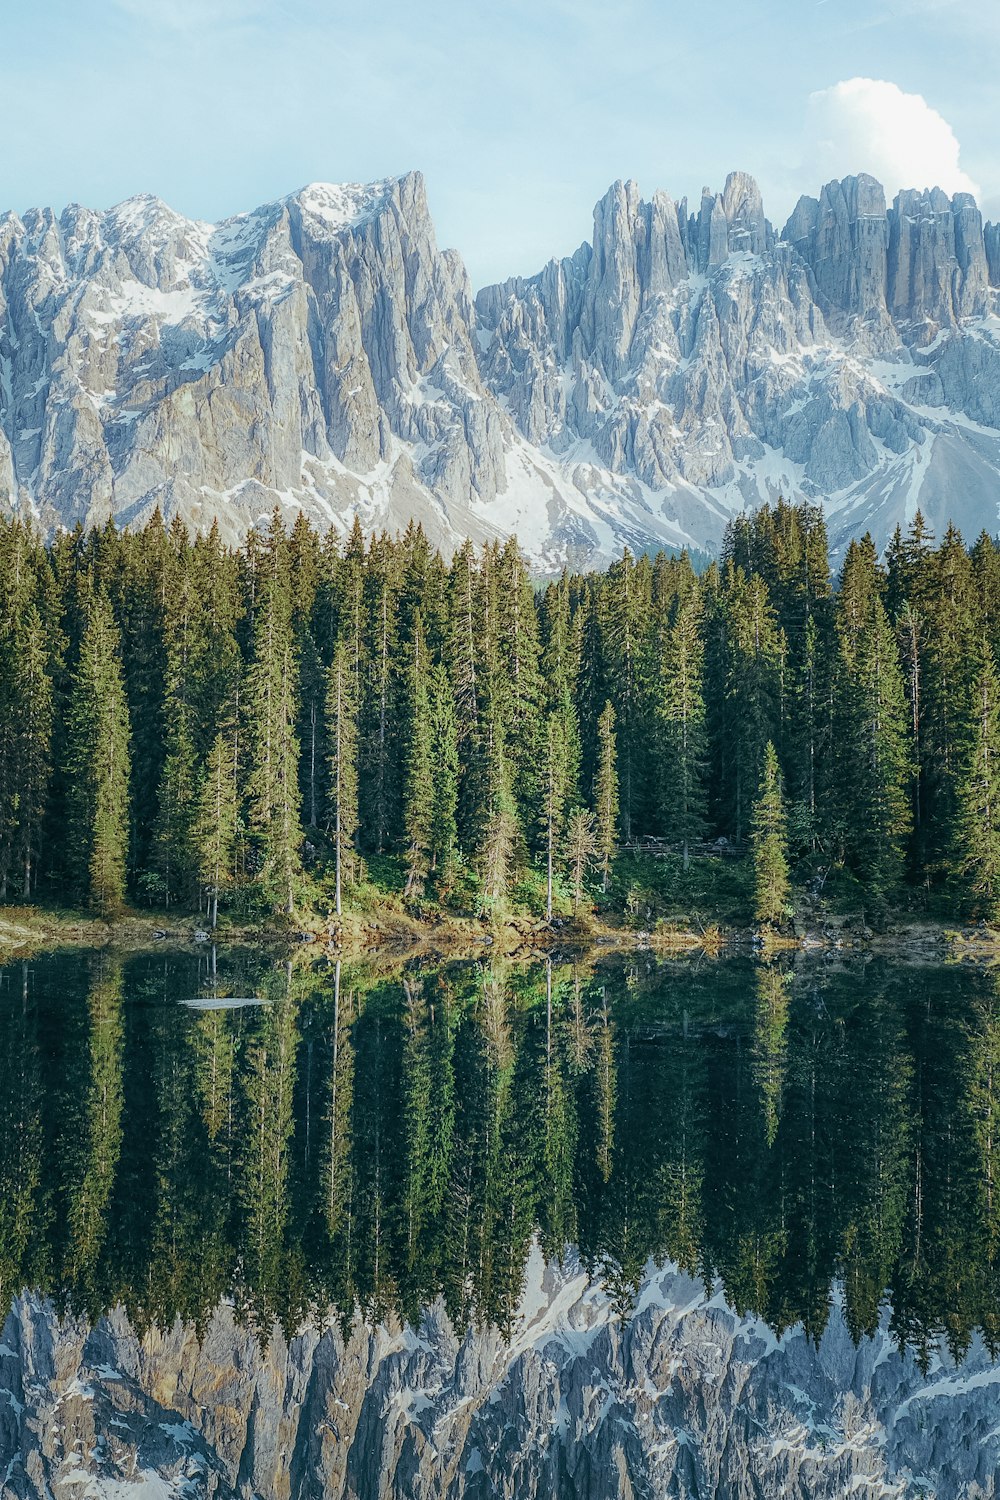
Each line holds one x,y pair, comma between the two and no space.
24,1209
370,1142
93,1151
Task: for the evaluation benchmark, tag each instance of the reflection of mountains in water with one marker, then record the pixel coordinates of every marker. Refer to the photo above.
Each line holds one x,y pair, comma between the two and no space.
371,1142
683,1398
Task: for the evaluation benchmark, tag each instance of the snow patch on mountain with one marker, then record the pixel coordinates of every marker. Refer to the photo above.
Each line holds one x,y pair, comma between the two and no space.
322,353
681,1395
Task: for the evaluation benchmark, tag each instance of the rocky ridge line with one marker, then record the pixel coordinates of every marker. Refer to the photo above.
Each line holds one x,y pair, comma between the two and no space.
683,1398
322,353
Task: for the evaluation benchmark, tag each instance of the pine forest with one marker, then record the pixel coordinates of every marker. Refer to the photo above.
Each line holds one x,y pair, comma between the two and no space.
295,725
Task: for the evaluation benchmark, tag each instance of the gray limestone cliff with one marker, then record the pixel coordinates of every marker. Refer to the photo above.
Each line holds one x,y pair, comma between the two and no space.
321,353
855,360
683,1398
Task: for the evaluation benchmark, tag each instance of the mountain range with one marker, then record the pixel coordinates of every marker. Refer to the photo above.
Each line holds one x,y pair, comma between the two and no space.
684,1398
321,353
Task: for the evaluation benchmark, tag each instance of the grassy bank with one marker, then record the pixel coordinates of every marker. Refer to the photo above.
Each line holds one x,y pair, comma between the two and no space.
652,902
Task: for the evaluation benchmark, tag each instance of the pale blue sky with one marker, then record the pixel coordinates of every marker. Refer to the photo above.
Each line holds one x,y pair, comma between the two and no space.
519,114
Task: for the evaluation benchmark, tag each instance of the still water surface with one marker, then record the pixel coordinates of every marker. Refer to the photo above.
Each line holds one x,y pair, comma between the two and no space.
305,1138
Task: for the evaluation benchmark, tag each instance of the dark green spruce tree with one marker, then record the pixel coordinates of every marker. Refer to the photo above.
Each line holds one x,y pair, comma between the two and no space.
271,710
342,739
682,746
769,844
977,828
98,765
606,804
418,780
874,736
446,770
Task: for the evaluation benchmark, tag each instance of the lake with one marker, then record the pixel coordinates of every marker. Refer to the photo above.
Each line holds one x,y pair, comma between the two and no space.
628,1228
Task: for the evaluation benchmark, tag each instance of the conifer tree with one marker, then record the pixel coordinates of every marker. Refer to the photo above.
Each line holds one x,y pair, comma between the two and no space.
518,651
98,764
952,648
977,833
557,770
445,765
624,614
217,822
873,731
418,786
26,715
271,705
681,716
351,617
497,848
380,767
753,655
312,709
174,851
581,848
985,558
342,738
171,852
769,844
606,793
802,593
463,648
464,632
142,574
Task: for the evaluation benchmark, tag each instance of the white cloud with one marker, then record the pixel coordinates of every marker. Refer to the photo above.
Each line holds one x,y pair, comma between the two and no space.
869,125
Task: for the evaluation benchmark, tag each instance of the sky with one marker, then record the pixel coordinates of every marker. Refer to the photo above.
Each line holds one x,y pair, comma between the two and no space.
520,115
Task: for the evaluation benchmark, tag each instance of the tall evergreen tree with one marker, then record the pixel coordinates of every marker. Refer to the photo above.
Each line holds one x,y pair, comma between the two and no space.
418,785
518,661
953,633
217,821
271,707
174,849
873,730
752,659
380,764
682,740
445,767
557,773
769,844
581,848
624,616
977,841
497,848
26,714
98,765
606,793
342,738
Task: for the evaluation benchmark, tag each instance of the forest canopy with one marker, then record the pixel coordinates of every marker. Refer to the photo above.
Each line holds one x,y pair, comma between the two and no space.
187,724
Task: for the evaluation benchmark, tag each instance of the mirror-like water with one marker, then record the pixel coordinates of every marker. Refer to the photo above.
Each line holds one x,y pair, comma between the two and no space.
300,1139
455,1232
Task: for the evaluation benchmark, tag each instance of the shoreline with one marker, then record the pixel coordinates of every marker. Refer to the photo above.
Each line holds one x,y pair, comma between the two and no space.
26,931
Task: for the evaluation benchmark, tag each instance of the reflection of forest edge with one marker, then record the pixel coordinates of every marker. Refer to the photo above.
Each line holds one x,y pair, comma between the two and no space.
363,1142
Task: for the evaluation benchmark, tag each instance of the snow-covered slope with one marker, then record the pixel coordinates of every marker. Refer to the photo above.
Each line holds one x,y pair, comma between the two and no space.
685,1398
322,353
854,360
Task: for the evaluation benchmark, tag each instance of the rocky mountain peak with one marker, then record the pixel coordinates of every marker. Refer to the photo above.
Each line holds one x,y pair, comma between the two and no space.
683,1396
321,352
748,230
